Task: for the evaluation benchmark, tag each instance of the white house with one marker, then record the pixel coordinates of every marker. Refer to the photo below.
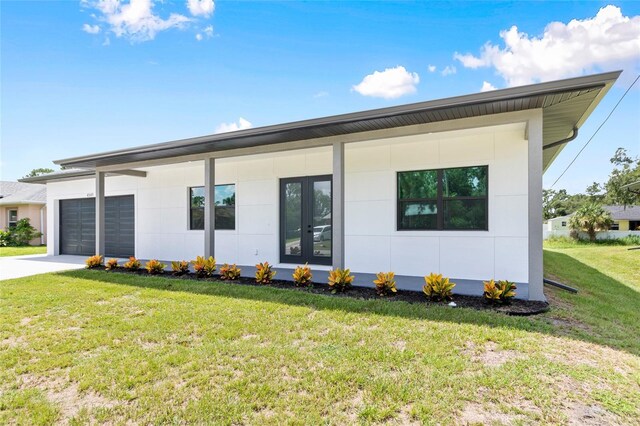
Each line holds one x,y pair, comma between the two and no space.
451,186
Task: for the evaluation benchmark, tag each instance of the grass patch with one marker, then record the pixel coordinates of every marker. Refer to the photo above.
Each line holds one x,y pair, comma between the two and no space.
21,251
567,242
89,346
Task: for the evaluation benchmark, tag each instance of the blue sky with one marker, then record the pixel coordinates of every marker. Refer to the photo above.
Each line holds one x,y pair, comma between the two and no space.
84,77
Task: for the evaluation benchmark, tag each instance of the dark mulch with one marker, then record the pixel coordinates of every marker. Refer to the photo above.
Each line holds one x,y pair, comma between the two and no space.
517,307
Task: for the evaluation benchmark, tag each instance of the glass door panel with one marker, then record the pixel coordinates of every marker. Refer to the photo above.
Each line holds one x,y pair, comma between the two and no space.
293,219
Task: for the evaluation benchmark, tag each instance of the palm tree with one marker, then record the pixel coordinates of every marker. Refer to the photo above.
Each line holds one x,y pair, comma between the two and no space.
591,218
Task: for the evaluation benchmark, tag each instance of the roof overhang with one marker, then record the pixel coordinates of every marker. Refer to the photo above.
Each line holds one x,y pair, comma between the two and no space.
566,104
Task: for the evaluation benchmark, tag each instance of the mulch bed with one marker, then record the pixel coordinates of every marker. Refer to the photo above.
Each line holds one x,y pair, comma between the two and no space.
517,307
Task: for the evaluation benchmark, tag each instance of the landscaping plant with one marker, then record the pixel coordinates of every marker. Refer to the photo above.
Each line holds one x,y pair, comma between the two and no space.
204,267
229,272
94,261
154,267
264,273
340,280
437,287
499,292
132,264
180,268
111,264
302,276
19,235
385,283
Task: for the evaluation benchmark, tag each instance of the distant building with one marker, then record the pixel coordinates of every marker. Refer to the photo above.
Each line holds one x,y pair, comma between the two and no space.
624,219
24,200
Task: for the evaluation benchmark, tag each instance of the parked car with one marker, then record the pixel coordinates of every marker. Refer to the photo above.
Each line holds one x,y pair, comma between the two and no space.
322,233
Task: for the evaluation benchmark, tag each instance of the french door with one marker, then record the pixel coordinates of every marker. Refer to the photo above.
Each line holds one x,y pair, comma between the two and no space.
305,220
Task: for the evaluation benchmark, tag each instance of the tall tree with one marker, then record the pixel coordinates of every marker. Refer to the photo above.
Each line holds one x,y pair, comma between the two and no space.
38,172
626,170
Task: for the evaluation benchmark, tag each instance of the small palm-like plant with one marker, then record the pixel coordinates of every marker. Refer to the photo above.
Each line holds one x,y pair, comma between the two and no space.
385,283
437,287
204,267
264,273
302,276
94,261
590,218
111,264
180,267
340,280
229,272
499,292
132,264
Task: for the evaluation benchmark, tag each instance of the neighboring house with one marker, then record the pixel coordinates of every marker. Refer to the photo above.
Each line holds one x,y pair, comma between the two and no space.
560,223
452,186
624,218
24,200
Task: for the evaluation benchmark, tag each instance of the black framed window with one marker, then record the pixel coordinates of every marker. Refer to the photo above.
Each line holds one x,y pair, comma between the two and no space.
443,199
225,200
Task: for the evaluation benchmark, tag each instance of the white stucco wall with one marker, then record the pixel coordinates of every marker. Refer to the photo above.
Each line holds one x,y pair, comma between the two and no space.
372,242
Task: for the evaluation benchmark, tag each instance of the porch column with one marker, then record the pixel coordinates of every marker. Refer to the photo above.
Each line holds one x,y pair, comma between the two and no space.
536,273
209,206
100,213
337,208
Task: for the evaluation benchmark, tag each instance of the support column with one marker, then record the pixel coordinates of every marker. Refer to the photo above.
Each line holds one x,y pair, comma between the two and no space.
100,213
337,207
209,206
536,273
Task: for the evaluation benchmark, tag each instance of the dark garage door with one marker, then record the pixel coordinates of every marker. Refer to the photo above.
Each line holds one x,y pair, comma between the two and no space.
78,226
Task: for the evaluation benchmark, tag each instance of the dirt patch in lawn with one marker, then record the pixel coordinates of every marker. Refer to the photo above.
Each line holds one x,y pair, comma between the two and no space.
490,355
66,395
516,307
579,414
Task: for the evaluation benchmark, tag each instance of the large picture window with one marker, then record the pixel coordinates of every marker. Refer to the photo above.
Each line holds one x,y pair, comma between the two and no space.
225,200
443,199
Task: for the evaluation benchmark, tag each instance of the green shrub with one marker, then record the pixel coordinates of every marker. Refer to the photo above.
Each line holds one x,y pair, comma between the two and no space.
340,280
19,235
154,267
385,283
437,287
264,273
180,268
94,261
499,292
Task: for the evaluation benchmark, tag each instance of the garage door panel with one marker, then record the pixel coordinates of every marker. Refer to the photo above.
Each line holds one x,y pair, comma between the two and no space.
78,226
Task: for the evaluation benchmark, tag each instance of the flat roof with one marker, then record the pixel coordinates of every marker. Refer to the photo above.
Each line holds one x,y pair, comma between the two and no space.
566,104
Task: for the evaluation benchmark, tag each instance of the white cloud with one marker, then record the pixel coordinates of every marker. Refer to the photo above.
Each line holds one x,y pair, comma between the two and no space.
199,37
608,40
134,20
91,29
321,94
201,7
448,70
486,87
209,31
106,41
431,68
232,127
389,84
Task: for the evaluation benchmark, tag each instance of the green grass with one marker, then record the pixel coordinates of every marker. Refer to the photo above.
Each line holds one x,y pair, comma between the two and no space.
21,251
87,346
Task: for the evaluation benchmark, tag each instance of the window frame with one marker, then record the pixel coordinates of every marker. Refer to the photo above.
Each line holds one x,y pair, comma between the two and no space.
190,208
439,201
10,223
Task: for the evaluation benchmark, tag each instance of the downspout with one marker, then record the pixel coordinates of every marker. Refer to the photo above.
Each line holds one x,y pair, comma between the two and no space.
42,224
563,141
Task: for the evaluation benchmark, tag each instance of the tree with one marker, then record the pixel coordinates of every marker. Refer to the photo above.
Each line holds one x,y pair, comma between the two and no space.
590,218
626,170
38,172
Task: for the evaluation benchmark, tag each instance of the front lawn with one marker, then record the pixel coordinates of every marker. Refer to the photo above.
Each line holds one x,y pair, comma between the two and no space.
97,347
21,251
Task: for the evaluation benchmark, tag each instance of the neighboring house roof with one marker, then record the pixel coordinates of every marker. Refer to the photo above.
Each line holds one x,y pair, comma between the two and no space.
561,217
624,213
633,186
12,193
565,105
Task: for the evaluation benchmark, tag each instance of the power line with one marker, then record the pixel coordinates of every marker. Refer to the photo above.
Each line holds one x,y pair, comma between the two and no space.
596,132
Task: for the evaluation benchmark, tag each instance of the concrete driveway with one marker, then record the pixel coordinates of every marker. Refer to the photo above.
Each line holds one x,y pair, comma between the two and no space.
25,266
